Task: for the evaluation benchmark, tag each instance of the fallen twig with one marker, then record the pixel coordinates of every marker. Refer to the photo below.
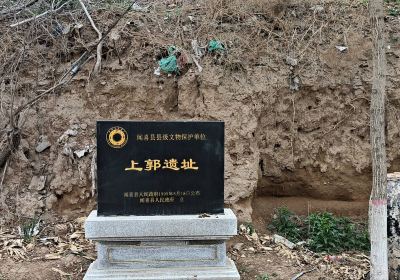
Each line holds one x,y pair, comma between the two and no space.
4,175
297,276
97,66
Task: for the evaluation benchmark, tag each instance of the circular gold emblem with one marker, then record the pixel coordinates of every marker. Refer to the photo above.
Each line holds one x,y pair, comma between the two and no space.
117,137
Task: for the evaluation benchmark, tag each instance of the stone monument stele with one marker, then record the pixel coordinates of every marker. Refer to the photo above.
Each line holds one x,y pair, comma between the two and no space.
160,212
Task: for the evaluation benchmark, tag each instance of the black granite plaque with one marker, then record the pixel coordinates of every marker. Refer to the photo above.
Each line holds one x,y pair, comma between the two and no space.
160,168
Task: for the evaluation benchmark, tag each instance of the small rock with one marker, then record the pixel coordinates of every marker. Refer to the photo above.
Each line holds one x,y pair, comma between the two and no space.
42,144
81,153
50,201
38,183
284,241
103,83
238,246
251,249
83,126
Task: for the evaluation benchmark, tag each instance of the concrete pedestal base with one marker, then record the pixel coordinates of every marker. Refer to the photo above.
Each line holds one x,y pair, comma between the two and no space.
162,247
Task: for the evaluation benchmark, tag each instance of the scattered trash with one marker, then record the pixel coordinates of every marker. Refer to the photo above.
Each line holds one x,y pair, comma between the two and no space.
42,144
169,64
282,240
197,49
215,45
157,71
342,48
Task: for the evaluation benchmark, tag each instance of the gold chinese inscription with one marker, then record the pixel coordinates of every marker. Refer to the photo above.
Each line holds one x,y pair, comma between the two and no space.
171,137
156,164
161,197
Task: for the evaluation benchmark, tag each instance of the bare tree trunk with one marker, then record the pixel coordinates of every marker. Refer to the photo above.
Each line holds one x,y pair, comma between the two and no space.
378,199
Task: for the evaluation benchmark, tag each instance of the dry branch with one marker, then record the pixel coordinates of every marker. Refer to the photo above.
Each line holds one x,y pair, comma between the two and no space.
18,9
40,15
97,66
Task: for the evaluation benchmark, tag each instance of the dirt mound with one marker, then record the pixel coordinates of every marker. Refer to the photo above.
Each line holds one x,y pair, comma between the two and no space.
295,103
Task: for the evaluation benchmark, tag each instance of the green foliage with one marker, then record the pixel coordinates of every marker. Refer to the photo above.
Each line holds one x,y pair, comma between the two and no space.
324,232
328,233
263,277
285,223
250,228
394,11
29,229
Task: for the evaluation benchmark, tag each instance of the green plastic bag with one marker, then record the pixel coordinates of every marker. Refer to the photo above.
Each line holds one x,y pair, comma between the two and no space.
169,64
215,45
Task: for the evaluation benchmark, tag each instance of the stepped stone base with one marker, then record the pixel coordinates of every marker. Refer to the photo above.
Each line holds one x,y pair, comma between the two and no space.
162,247
227,272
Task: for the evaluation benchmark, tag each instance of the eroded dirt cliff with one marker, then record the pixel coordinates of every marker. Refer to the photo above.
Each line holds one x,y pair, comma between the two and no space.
296,107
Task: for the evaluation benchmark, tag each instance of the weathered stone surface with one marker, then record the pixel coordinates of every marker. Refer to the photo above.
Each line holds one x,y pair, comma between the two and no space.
37,183
174,227
160,254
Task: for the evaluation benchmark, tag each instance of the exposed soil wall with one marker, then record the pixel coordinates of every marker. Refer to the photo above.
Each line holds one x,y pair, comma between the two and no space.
296,108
